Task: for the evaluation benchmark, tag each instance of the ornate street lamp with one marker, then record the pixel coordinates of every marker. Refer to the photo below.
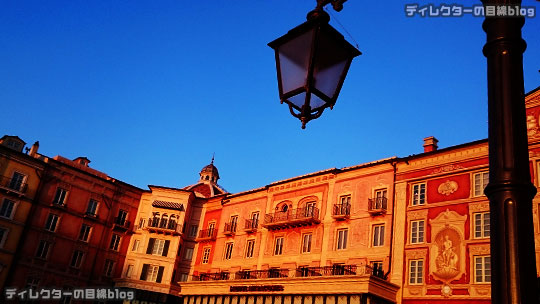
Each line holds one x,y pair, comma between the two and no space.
312,61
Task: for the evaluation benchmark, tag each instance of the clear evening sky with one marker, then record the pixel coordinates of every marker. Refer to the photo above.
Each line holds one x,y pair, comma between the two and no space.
148,90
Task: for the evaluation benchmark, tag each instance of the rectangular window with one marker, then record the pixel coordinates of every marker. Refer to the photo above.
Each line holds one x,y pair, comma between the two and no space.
109,268
416,272
206,255
76,259
52,222
136,244
417,232
306,243
121,218
115,242
377,267
43,249
193,230
250,248
342,239
255,219
378,235
17,181
158,247
153,271
278,247
188,254
480,181
482,269
228,250
345,199
91,209
129,271
84,234
3,236
211,227
419,194
60,197
381,193
481,225
6,210
234,222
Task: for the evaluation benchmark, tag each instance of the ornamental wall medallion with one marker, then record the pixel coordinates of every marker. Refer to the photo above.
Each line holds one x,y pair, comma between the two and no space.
448,187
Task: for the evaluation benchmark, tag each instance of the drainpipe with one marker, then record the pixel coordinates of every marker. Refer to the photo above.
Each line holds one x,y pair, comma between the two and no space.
394,164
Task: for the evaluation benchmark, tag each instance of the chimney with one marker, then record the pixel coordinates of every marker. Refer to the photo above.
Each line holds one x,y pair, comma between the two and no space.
83,161
34,149
430,144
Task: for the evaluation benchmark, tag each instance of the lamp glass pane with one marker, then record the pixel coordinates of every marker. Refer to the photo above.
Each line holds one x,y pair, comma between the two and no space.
298,100
293,61
332,58
316,103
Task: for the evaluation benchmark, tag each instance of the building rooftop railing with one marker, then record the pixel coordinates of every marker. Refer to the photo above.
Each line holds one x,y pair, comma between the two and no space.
292,218
300,272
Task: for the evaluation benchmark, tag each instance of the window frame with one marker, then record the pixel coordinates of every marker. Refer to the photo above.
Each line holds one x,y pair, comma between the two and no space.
3,236
420,236
278,245
129,270
227,254
136,245
345,199
485,275
13,208
418,278
342,236
206,255
60,200
21,183
250,248
188,254
92,211
483,180
76,261
158,247
377,237
306,238
87,233
193,229
421,198
484,233
108,268
50,222
115,245
42,251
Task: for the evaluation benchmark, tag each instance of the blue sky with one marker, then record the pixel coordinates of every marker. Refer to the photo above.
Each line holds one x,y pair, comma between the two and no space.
148,90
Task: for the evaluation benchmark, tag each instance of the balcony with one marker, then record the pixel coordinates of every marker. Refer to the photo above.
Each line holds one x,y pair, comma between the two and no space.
341,211
377,205
207,235
230,228
251,225
326,271
292,218
164,226
261,274
121,223
13,185
216,276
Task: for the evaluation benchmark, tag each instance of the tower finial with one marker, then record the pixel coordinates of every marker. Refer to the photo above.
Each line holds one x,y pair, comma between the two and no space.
213,154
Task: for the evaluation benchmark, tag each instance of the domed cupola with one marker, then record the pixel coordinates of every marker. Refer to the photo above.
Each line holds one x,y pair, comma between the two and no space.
209,173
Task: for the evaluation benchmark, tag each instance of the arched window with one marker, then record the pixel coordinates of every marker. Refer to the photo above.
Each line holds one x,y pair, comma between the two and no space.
155,220
172,222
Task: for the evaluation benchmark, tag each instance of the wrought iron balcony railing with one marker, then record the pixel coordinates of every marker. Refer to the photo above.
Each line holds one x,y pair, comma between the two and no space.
341,211
377,205
162,225
251,225
230,228
207,234
301,272
292,218
13,184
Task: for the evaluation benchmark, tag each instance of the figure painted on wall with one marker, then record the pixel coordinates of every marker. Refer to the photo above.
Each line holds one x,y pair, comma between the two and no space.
447,260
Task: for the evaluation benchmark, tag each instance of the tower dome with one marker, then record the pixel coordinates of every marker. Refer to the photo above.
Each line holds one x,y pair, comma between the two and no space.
209,172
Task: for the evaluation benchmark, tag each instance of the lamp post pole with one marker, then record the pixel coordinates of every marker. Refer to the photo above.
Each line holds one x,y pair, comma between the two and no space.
510,191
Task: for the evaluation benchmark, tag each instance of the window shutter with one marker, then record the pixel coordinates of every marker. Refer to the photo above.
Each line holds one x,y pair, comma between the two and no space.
150,245
166,248
160,274
144,272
